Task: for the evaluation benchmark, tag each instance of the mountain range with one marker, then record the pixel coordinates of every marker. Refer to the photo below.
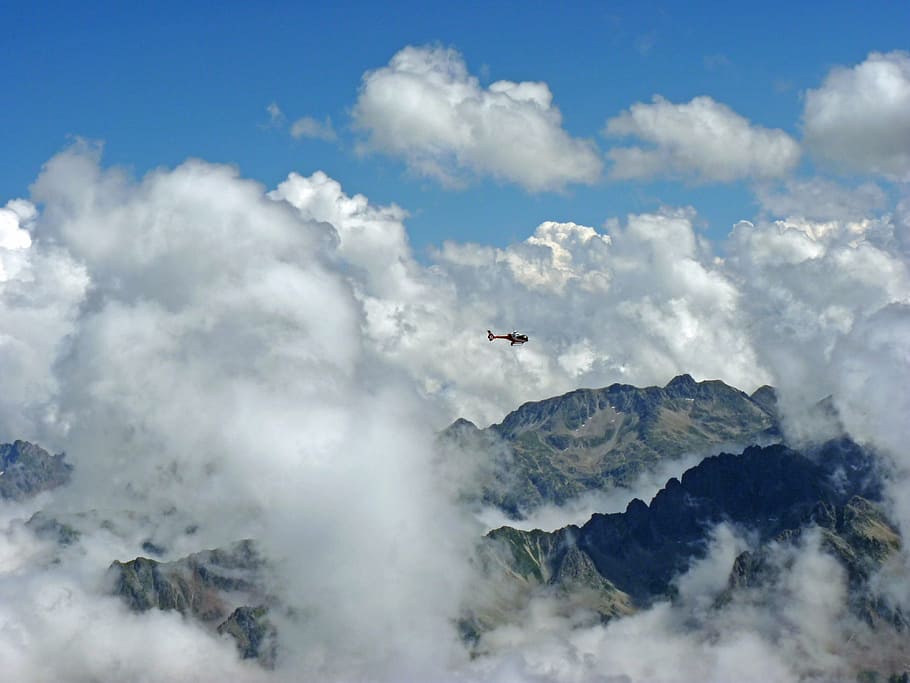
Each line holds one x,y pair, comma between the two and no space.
547,452
594,439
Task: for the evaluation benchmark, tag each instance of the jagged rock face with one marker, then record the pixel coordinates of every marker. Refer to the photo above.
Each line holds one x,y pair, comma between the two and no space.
857,533
213,586
255,636
869,535
771,490
594,438
28,469
521,565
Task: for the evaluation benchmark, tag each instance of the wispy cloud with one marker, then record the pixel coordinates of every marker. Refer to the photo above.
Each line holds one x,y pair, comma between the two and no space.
308,127
276,116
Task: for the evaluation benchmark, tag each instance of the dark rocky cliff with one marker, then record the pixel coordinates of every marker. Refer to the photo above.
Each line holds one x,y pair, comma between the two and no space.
768,490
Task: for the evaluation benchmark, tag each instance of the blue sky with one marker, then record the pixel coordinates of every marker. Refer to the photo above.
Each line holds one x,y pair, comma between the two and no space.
162,82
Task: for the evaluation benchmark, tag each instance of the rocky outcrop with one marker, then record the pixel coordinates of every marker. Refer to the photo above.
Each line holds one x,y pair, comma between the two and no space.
222,588
254,634
27,469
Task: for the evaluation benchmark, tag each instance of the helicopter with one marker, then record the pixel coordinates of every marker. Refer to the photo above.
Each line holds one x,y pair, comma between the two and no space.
512,337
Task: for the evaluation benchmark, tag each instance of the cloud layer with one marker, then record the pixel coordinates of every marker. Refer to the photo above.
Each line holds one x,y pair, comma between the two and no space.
425,108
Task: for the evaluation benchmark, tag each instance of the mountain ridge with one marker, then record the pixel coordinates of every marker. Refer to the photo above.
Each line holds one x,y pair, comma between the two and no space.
618,563
611,566
552,450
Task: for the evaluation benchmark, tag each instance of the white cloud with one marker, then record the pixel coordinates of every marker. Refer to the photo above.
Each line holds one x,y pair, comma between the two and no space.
427,109
216,369
13,217
371,239
859,119
308,127
805,286
40,292
701,140
639,304
817,199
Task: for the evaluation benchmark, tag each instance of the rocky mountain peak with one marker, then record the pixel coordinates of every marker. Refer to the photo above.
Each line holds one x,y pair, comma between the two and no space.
27,469
588,439
681,383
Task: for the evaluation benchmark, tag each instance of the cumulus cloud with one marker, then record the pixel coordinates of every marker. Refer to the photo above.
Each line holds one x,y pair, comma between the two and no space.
308,127
701,140
806,284
425,108
13,218
40,293
214,375
642,301
371,239
859,119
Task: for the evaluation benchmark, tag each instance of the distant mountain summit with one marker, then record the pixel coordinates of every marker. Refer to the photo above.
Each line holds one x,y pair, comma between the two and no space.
27,469
589,439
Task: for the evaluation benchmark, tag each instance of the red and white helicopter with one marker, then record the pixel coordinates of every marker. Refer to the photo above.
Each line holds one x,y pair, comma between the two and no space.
513,337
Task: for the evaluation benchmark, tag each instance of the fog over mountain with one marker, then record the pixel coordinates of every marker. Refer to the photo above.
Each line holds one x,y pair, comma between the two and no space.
221,361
